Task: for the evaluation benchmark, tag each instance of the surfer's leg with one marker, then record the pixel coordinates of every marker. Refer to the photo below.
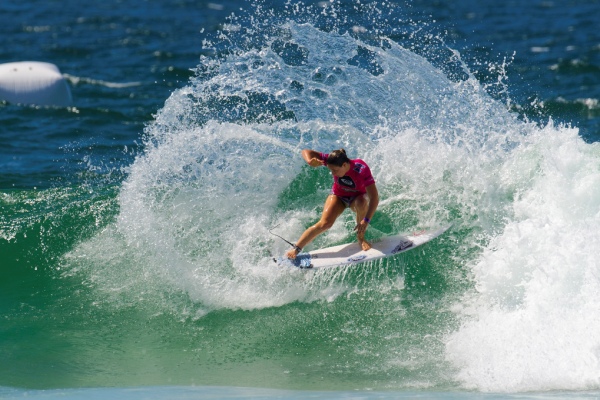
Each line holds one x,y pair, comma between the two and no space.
331,211
360,206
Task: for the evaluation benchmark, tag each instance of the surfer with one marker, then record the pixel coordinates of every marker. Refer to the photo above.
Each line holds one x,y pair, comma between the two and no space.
353,187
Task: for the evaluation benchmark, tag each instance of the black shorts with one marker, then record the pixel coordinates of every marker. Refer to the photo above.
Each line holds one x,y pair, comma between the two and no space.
347,200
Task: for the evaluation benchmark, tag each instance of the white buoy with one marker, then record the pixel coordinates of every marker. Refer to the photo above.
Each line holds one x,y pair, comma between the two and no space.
32,82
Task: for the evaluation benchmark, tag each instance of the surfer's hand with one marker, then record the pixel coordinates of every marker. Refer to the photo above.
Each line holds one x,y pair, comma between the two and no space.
316,162
361,227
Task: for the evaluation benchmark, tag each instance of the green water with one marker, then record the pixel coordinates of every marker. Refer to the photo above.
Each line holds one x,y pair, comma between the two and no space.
64,331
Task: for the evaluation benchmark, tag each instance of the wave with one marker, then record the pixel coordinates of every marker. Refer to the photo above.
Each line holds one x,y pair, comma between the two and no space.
221,166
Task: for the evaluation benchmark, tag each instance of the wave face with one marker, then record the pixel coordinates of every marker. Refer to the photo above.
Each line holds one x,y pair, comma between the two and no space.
180,285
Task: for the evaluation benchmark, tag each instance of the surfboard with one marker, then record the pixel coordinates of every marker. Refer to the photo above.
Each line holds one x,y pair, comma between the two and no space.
352,253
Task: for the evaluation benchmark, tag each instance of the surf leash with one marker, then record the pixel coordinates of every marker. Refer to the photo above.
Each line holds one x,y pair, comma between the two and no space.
284,239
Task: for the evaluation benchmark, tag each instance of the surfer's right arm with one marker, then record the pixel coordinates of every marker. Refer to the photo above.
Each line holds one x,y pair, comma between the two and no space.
312,158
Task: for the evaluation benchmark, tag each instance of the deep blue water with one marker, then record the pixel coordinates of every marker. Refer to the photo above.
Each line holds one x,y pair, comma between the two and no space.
134,224
124,59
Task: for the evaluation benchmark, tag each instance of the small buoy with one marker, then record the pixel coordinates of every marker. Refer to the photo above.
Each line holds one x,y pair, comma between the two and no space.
33,82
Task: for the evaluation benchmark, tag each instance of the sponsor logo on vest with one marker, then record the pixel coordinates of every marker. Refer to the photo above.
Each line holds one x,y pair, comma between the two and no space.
346,181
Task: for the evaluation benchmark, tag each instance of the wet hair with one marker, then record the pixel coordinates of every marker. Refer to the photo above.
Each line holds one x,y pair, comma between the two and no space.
338,158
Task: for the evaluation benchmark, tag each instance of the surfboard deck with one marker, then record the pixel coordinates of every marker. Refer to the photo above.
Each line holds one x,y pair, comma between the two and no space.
352,253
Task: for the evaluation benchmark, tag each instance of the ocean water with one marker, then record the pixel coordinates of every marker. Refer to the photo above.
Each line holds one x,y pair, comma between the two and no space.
135,253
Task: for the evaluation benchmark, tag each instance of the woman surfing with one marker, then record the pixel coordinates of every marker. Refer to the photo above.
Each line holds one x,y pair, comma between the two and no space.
353,187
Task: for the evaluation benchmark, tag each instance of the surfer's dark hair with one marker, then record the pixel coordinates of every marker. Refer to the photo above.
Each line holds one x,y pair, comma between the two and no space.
338,158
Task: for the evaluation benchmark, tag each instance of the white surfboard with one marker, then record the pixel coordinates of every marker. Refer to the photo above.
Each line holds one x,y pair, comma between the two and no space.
351,253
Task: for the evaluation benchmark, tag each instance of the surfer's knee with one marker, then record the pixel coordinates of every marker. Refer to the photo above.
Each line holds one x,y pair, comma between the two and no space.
324,225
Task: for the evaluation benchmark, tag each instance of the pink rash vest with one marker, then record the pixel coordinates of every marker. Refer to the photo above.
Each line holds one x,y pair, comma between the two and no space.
356,180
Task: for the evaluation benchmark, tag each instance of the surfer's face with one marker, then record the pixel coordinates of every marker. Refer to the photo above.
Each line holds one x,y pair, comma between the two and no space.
339,171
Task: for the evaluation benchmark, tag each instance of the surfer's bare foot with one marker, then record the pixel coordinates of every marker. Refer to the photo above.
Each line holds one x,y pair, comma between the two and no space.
292,253
365,245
